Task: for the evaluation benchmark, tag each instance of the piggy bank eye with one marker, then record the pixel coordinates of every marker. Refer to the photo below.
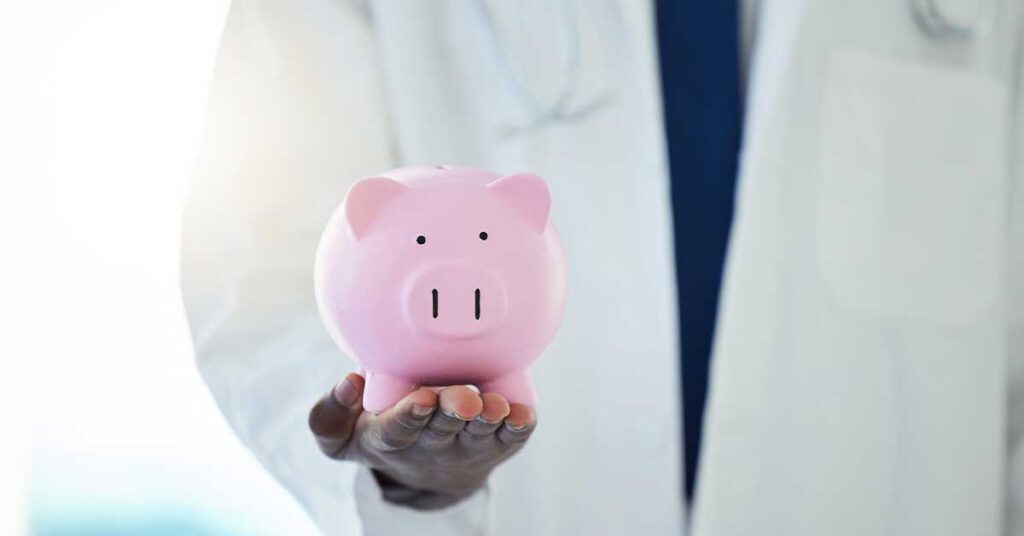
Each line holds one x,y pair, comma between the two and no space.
421,239
483,235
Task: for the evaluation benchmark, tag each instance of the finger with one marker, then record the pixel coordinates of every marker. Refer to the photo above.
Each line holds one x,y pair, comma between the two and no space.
400,426
481,429
334,416
519,425
457,405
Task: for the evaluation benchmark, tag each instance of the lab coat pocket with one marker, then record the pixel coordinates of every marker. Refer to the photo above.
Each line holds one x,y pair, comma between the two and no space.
910,210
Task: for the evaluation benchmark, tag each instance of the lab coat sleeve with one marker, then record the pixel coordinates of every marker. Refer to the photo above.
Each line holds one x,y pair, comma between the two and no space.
1015,272
295,113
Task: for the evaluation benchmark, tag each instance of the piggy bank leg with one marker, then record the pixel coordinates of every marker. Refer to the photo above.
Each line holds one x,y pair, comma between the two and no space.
383,391
516,388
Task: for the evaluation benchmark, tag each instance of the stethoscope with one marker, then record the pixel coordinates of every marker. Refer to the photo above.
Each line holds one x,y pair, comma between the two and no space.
928,16
559,109
935,23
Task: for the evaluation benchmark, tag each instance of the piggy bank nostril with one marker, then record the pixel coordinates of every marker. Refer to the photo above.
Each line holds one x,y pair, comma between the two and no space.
477,295
433,294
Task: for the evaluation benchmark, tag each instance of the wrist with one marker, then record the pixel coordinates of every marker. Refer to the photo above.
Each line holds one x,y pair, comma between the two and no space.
395,492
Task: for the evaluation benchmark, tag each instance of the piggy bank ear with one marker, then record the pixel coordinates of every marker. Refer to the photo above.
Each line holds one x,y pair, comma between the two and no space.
529,193
365,199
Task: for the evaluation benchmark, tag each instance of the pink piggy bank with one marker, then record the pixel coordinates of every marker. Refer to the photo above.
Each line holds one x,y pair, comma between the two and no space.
442,275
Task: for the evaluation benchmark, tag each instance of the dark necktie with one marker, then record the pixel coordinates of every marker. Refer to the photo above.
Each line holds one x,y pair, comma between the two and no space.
699,52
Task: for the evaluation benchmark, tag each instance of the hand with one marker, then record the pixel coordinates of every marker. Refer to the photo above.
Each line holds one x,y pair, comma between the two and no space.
432,449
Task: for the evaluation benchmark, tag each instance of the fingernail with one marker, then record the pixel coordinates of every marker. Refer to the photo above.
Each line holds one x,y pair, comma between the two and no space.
485,421
454,415
346,394
422,411
516,427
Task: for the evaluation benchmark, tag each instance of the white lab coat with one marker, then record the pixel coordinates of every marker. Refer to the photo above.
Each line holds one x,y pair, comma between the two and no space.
871,322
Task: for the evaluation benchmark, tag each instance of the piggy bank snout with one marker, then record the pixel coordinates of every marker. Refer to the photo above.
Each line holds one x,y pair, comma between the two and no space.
454,300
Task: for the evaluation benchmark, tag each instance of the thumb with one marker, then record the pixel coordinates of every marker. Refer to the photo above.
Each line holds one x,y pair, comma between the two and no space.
334,416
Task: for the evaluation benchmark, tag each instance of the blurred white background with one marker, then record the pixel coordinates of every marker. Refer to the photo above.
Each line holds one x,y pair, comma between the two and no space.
108,428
